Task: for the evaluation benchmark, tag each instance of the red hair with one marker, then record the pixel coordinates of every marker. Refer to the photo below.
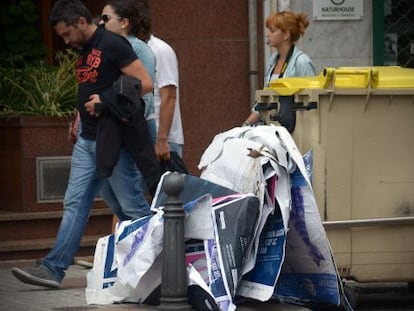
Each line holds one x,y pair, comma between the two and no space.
289,21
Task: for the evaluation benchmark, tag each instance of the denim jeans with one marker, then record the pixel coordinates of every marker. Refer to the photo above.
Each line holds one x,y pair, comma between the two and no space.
152,126
124,191
127,183
82,188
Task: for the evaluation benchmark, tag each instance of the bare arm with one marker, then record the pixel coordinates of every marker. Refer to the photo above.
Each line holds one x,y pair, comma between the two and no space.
253,118
168,96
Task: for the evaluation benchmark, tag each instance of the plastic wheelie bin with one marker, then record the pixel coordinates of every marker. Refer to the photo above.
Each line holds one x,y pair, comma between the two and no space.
359,122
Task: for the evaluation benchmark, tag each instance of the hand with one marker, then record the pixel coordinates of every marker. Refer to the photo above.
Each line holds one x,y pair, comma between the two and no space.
90,105
74,128
162,150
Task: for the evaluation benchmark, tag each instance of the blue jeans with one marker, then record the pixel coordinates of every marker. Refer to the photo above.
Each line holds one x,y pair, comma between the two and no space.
152,126
124,191
82,189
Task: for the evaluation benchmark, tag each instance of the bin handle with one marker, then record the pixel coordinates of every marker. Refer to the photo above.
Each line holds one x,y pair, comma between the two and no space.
331,89
369,89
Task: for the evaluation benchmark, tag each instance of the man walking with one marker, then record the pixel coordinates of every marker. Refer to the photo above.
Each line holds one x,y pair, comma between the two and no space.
104,57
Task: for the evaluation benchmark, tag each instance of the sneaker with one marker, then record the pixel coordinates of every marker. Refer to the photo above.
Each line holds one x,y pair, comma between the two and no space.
86,262
38,275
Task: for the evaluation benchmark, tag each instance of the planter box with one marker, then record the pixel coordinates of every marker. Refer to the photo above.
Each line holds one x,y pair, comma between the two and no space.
30,150
22,141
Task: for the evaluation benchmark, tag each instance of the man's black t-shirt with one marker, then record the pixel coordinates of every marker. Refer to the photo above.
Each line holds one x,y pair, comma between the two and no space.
98,67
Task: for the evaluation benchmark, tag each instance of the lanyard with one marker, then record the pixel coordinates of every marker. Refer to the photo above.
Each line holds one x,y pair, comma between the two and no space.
285,64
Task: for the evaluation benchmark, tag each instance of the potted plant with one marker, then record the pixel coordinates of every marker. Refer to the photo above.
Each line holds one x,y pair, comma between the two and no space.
37,100
36,104
39,90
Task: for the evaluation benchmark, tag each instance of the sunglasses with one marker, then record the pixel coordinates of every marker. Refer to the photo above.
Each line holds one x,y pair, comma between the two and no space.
105,18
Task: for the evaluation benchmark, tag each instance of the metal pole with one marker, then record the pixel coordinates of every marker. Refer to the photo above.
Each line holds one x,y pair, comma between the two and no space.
174,274
253,70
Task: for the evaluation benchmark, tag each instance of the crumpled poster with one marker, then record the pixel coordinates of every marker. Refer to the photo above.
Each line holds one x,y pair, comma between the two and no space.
293,225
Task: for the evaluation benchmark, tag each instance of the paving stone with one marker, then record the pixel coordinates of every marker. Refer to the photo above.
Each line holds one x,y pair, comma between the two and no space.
17,296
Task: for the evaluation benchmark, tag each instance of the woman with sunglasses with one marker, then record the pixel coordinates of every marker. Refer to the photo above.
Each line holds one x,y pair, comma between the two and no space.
121,17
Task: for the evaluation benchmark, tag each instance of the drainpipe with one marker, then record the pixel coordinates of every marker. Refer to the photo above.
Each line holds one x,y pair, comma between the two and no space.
253,71
269,6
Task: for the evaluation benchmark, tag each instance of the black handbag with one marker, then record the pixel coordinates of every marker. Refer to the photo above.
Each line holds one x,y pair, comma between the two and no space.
174,164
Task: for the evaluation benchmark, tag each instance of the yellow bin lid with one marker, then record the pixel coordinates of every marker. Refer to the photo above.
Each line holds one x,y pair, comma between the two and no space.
290,86
392,77
381,77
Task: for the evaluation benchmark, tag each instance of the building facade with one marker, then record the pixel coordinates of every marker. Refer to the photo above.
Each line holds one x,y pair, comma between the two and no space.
221,50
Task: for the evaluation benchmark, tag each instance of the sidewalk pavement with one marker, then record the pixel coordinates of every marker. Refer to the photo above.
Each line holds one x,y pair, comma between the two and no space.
17,296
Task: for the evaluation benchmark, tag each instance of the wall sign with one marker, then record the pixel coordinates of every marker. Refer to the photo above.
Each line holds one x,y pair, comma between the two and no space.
337,9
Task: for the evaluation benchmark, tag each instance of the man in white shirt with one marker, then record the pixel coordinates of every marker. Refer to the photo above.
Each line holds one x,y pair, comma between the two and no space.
170,135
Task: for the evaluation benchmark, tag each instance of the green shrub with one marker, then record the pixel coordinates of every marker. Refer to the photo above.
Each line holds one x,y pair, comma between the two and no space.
40,90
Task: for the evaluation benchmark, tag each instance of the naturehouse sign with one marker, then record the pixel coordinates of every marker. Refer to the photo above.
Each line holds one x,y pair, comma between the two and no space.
337,9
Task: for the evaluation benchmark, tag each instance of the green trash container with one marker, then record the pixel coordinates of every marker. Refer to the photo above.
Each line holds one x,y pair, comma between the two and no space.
362,136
